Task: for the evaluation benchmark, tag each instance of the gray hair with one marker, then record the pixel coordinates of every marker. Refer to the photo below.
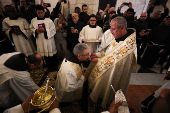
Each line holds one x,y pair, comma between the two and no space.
121,21
75,14
79,49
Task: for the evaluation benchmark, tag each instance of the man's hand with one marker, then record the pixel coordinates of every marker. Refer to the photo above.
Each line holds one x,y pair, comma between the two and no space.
94,60
55,104
114,107
130,5
106,9
122,5
93,55
73,31
45,5
76,31
27,105
142,33
40,29
83,39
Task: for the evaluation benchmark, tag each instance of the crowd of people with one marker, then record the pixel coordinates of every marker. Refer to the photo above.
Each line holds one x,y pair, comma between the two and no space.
109,44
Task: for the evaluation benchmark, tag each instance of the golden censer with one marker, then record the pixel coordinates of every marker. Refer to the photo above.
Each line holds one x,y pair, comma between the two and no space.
43,100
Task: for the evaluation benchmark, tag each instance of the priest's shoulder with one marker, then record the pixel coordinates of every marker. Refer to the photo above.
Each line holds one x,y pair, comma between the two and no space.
99,27
48,19
6,19
87,26
34,19
20,18
107,32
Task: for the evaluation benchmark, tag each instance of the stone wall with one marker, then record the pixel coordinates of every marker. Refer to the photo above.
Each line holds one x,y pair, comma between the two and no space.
92,5
138,5
5,2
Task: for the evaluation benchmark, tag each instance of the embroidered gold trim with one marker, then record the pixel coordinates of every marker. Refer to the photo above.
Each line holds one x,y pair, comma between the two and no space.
77,69
120,52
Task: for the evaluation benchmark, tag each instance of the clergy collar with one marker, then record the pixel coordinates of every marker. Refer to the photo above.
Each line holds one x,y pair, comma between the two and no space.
92,26
17,62
129,32
40,18
72,58
16,17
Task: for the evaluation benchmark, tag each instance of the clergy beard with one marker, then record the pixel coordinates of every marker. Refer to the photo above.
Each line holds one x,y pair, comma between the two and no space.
92,26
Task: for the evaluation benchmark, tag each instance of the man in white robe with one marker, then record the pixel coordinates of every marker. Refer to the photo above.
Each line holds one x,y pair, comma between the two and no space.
91,33
44,30
22,37
15,82
116,66
70,77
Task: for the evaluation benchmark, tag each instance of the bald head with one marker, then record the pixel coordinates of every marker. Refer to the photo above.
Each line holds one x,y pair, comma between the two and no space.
35,60
75,17
143,16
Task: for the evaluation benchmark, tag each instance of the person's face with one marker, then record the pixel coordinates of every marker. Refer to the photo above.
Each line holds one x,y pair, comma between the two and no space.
111,15
98,16
100,12
92,21
116,32
75,18
61,21
157,15
143,16
167,21
40,13
59,15
77,11
11,12
23,2
85,9
85,56
129,14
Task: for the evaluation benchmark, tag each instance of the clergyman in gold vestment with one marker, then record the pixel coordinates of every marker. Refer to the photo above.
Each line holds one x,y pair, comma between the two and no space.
117,64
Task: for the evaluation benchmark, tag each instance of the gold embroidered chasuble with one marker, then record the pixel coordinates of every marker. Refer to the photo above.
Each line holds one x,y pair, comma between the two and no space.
114,68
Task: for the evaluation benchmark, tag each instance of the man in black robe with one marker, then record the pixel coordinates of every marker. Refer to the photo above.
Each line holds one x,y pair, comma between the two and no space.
158,44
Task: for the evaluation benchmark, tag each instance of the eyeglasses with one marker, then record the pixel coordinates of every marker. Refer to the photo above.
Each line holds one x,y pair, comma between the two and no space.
88,54
92,20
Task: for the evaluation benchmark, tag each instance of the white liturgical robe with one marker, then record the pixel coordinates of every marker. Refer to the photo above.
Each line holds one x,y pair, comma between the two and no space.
69,80
21,43
89,33
45,47
14,85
